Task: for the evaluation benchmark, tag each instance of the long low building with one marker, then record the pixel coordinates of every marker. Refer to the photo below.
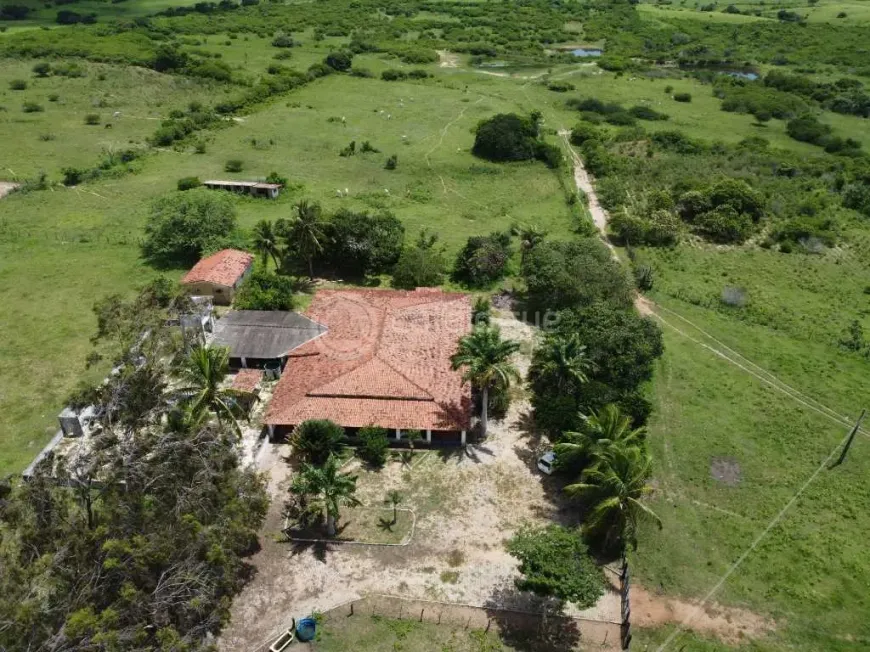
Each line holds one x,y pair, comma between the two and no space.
255,188
384,360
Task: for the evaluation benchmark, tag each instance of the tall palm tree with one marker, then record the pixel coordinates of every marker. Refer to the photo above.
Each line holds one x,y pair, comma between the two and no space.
266,241
485,358
530,235
203,371
329,487
562,358
394,498
601,430
614,487
306,232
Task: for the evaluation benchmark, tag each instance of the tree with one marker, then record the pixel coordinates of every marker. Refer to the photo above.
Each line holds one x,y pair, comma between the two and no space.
613,488
560,362
554,562
202,372
574,274
422,265
266,241
340,61
485,359
600,430
327,486
506,137
530,235
483,260
316,440
306,232
394,498
360,243
373,445
183,225
264,290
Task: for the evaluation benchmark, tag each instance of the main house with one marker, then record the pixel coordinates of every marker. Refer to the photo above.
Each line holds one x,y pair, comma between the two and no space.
383,360
219,275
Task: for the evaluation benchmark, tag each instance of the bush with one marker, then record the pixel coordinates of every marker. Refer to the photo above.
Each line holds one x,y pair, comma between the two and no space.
577,273
315,440
725,224
182,225
393,75
483,260
359,243
422,265
188,183
42,69
72,176
233,165
340,61
92,119
506,137
560,86
807,129
584,131
274,177
683,97
549,154
283,41
392,162
264,290
647,113
53,97
373,446
857,197
418,73
18,85
32,107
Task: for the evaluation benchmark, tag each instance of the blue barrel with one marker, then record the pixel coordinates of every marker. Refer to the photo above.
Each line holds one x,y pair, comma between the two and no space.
306,629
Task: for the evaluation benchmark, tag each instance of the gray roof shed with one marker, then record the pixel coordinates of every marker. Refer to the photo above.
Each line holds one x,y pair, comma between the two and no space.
264,334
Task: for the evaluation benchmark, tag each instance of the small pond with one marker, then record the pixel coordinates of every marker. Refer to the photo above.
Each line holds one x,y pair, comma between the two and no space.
587,52
751,76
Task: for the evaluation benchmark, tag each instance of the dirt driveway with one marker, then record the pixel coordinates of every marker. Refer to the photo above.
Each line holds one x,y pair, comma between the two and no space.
467,504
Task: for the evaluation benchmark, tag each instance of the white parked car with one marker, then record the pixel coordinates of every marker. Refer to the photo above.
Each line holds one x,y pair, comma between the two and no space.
546,462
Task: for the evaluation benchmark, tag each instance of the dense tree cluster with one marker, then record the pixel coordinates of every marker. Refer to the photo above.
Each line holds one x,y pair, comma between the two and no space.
509,137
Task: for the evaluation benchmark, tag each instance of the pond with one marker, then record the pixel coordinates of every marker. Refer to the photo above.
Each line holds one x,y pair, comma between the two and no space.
751,76
587,52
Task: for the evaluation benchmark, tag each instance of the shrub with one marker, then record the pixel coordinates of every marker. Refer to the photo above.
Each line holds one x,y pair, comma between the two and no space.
725,224
315,440
359,243
188,183
549,154
233,165
483,260
42,69
391,162
683,97
418,73
53,97
560,86
283,41
647,113
182,225
72,176
199,147
340,61
32,107
506,137
92,119
373,445
737,194
18,85
857,197
264,290
584,131
807,129
422,265
393,75
644,278
274,177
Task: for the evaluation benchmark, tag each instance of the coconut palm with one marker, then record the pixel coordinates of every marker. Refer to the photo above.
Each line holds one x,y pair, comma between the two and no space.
330,488
613,487
602,429
266,241
306,232
529,235
563,359
485,359
203,371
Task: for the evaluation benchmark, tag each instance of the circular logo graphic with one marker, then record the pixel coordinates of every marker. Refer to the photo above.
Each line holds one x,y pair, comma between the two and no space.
353,329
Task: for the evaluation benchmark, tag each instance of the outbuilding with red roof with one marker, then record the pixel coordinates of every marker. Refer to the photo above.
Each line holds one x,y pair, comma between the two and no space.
384,360
219,275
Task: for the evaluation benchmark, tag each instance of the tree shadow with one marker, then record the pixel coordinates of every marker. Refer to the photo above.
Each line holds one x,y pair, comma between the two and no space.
527,622
317,548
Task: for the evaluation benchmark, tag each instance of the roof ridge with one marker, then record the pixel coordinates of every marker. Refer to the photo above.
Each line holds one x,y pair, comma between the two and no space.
422,389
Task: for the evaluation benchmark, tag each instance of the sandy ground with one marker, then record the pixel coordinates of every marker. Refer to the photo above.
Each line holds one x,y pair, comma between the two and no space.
469,503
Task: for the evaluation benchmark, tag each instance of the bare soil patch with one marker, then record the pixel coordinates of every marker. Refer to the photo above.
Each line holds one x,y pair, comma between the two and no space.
726,470
729,624
448,59
6,187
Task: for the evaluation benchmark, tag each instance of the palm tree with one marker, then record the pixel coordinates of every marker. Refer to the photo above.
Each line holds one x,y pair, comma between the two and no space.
394,498
530,235
327,486
306,232
485,358
613,488
562,358
203,371
266,241
603,429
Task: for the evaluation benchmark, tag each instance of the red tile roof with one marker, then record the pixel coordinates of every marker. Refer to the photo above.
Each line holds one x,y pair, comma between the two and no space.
385,361
247,380
223,268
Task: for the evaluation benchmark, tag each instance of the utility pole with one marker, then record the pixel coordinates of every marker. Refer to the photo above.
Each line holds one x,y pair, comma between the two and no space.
849,441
